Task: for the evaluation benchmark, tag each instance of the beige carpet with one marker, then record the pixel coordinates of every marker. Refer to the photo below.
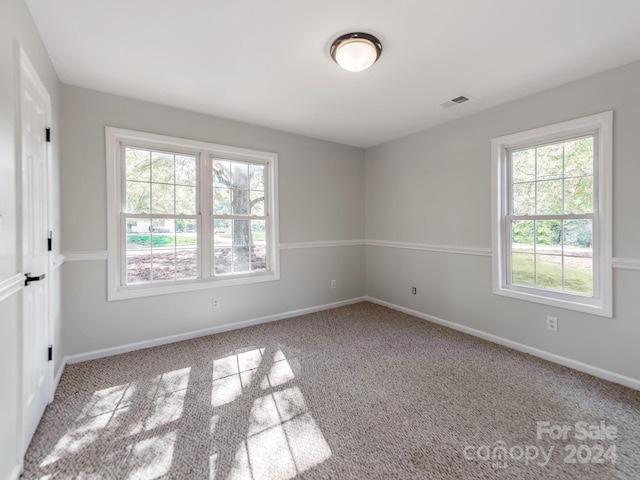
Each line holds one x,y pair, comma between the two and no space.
357,392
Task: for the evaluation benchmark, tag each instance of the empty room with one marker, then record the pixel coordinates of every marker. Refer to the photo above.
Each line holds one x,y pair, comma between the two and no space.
340,240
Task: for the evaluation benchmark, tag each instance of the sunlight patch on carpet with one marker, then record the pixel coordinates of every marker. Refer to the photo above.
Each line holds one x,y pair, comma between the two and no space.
107,415
282,438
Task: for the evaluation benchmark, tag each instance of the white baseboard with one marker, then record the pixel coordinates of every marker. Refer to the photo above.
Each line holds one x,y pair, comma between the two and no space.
107,352
552,357
56,379
15,473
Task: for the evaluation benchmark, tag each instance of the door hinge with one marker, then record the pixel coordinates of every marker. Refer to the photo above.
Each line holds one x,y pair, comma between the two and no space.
50,242
50,352
48,134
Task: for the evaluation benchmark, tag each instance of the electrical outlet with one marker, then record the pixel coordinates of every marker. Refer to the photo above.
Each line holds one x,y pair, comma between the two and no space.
333,284
215,303
552,324
414,291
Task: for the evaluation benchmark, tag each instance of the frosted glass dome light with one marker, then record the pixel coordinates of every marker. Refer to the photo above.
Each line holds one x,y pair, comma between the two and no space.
356,52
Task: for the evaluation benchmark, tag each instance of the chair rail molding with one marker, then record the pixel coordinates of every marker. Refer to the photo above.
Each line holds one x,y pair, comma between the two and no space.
321,244
11,285
626,263
456,249
97,255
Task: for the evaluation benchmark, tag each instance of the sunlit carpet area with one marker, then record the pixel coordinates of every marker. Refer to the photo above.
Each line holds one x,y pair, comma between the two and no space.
359,392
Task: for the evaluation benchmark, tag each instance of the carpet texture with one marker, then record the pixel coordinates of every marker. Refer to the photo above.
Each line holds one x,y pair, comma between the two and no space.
360,392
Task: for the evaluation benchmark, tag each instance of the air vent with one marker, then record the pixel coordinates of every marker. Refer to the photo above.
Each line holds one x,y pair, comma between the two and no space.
455,101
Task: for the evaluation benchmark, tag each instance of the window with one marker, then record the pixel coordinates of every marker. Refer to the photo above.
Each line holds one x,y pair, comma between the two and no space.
552,214
186,215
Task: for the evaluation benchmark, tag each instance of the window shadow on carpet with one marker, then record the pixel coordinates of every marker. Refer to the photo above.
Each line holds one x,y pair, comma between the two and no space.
238,416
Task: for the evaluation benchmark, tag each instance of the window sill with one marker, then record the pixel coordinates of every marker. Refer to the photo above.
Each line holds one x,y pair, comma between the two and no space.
592,308
150,290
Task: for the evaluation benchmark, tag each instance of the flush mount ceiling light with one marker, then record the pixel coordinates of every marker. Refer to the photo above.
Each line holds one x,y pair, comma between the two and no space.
356,51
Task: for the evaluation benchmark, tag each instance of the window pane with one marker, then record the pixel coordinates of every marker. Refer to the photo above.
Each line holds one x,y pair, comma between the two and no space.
138,164
256,177
549,272
241,259
524,199
578,238
258,232
578,157
162,198
549,197
549,236
524,165
241,232
186,263
187,229
186,170
137,233
240,202
163,264
138,197
578,260
578,275
522,236
258,258
240,175
549,161
162,229
162,167
161,249
221,173
138,250
222,261
257,203
523,269
138,266
578,195
222,201
248,252
185,200
222,232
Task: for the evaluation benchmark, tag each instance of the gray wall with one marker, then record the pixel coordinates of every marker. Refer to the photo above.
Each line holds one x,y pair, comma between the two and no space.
321,189
17,29
434,187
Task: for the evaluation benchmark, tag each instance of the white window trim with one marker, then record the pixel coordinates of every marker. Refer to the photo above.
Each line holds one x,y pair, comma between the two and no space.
115,138
602,125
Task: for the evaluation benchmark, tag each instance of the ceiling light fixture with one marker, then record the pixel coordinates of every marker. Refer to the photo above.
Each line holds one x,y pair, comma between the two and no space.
356,52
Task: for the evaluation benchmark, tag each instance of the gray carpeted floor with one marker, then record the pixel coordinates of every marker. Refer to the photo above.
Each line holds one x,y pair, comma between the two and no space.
357,392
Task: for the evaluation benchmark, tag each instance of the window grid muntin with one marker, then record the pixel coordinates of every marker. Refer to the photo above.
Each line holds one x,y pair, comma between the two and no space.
593,216
151,150
153,251
563,255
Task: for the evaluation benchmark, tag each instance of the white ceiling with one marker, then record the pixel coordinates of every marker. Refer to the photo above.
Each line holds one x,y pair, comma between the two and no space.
267,62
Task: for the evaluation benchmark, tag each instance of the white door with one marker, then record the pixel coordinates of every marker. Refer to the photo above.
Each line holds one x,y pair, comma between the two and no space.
34,111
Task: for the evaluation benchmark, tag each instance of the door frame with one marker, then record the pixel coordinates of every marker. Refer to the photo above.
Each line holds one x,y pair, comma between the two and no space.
25,67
